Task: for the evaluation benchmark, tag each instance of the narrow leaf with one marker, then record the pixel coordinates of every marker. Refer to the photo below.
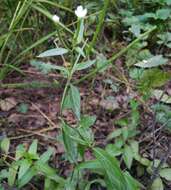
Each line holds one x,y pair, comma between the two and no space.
53,52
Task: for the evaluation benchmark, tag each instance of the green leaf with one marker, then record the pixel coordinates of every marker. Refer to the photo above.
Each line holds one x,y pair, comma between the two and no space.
69,144
45,68
132,184
85,65
3,174
12,173
80,51
114,134
24,166
113,150
27,177
33,147
91,164
163,97
87,121
53,52
110,165
23,108
135,29
20,151
44,168
128,156
166,173
72,101
155,61
168,2
135,147
80,32
5,144
46,155
163,14
153,78
157,184
86,135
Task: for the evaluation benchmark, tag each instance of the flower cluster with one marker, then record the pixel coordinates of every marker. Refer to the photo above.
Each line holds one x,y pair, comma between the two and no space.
80,12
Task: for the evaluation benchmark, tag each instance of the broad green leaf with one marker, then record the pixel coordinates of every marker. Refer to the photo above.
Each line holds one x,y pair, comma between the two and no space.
125,133
157,184
163,97
75,100
5,144
132,184
85,65
87,121
46,155
135,29
53,52
23,108
110,165
24,166
168,2
72,101
128,156
12,173
3,174
155,61
27,177
33,147
163,14
166,173
135,147
45,68
86,135
69,144
20,150
113,150
91,164
153,78
44,168
114,134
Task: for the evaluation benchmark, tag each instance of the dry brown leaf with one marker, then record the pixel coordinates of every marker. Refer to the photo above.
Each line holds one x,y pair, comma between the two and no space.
7,104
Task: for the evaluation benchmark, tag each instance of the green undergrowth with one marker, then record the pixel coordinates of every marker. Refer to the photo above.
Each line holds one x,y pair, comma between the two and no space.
51,37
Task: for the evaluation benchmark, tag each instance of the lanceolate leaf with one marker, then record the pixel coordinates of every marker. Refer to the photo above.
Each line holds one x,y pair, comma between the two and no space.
69,144
152,62
53,52
33,147
113,173
24,166
166,173
12,173
72,101
128,156
85,65
157,184
5,144
45,68
132,184
27,177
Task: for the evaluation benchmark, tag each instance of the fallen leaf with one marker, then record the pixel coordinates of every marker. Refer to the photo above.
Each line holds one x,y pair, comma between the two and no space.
7,104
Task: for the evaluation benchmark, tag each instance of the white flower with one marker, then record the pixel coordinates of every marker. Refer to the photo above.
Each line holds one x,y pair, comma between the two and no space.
80,12
55,18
